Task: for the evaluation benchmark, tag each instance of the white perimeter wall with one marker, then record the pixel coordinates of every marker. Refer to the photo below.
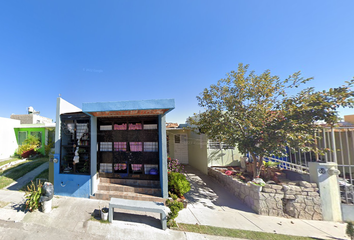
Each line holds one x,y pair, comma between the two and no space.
8,142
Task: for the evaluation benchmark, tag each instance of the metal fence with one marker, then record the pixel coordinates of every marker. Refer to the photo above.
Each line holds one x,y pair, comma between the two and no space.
340,141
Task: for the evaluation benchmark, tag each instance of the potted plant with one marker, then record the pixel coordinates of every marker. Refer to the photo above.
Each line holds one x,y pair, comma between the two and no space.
104,213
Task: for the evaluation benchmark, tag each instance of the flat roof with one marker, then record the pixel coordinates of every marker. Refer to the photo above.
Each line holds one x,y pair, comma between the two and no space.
37,125
129,108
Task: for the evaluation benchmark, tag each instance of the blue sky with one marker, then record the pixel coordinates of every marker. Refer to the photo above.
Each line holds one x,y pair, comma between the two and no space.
97,51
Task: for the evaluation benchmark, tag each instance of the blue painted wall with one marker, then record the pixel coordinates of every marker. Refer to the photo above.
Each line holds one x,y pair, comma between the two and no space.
70,184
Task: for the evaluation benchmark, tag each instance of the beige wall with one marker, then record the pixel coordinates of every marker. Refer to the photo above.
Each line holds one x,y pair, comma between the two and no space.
349,118
198,156
221,157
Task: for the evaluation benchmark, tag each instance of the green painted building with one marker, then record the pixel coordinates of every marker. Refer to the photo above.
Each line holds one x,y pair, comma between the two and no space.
43,131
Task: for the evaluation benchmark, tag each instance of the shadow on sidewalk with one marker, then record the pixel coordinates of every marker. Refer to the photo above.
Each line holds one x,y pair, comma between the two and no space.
132,217
207,191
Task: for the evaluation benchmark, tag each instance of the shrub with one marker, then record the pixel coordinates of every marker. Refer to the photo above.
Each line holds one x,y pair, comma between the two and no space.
178,183
350,230
173,196
34,193
31,143
175,207
173,165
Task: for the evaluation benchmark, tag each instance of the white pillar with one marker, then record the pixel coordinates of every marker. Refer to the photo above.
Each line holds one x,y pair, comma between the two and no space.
94,181
326,176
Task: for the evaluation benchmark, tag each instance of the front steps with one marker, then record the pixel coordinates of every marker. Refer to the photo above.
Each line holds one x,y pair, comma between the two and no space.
143,190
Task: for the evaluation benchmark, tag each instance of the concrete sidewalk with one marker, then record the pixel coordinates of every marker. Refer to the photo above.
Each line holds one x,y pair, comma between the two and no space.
209,204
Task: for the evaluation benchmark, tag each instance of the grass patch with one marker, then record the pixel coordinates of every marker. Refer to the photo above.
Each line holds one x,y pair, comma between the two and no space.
43,174
96,217
3,204
8,161
98,220
14,173
235,233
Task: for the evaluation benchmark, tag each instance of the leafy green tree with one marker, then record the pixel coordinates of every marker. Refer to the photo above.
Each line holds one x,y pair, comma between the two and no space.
258,114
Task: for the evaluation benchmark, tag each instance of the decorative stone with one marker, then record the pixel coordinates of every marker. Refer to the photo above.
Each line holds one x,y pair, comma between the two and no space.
309,202
277,187
268,190
286,196
305,184
308,189
313,194
296,199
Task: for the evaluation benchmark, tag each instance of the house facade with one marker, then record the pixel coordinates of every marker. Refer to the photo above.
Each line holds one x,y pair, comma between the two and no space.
198,151
43,131
115,140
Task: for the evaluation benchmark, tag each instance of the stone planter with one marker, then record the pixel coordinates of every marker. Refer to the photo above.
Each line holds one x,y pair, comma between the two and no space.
296,199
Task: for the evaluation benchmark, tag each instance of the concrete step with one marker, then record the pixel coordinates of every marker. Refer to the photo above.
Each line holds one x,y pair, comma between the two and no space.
124,188
131,182
107,195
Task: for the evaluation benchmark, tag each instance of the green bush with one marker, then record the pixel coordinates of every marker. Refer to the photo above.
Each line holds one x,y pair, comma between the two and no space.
30,143
178,183
175,207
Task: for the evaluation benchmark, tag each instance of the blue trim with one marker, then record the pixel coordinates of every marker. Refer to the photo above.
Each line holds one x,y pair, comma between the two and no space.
129,105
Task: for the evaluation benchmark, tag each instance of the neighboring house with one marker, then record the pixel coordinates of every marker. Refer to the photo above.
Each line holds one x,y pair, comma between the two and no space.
32,124
114,140
43,131
177,143
8,142
198,151
32,117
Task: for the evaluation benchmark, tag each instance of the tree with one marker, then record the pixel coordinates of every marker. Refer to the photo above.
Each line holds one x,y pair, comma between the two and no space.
258,114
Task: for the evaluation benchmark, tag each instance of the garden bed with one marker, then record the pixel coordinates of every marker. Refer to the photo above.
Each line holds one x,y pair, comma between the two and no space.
298,199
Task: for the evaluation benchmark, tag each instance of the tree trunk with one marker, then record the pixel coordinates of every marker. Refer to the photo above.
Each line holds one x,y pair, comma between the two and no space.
257,165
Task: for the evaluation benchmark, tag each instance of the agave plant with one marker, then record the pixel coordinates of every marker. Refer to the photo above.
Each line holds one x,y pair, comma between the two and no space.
33,195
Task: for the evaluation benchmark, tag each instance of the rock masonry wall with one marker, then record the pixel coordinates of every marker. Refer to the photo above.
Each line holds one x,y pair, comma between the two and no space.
295,199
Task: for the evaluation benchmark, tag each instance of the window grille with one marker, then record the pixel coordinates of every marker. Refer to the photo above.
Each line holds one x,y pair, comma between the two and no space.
150,146
106,127
120,146
136,126
150,126
21,137
136,146
122,126
105,167
105,146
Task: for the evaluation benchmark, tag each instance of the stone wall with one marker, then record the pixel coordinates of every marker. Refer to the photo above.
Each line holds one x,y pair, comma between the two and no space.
295,199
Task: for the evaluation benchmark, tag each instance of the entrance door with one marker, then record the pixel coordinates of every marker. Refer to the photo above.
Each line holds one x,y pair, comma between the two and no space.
181,148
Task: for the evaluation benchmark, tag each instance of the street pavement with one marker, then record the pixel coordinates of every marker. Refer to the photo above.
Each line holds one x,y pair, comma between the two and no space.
209,204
